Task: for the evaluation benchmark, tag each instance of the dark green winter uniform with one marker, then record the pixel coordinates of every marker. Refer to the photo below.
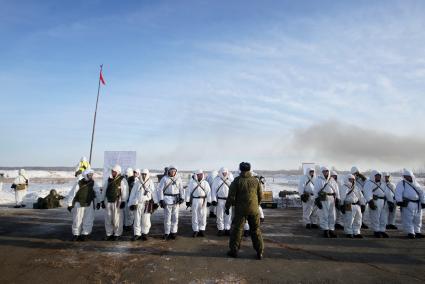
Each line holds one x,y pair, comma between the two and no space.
245,195
48,202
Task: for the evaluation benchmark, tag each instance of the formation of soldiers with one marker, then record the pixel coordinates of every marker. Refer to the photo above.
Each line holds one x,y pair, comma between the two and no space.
129,200
357,202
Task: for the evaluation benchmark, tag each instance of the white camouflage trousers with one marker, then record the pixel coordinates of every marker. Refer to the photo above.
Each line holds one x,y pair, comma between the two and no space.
113,219
82,219
171,218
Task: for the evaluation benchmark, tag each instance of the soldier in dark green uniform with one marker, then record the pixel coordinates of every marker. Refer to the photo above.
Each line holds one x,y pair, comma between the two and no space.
50,201
245,195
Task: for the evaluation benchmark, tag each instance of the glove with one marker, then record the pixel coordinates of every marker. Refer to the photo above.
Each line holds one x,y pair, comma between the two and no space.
391,206
318,203
155,206
103,204
133,207
161,203
98,206
209,204
214,203
304,197
372,205
423,205
181,200
122,205
338,204
227,211
70,208
342,208
188,204
363,208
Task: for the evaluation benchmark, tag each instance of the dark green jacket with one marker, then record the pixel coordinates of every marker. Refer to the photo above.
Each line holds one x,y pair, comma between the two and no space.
245,194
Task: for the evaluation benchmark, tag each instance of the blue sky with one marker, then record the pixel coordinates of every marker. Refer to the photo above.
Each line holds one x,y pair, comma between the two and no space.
212,83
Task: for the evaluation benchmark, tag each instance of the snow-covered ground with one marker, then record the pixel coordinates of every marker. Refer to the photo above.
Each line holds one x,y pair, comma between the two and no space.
41,182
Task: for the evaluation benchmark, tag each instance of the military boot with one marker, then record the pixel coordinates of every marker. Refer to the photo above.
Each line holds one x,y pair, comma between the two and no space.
419,236
377,234
384,235
232,253
326,234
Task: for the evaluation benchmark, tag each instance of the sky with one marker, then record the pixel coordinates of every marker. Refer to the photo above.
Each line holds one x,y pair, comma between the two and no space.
205,84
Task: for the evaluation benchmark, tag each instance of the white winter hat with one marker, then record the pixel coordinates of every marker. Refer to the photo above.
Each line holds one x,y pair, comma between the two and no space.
198,172
83,159
129,172
224,170
87,172
22,172
137,171
324,168
334,173
354,170
407,172
171,167
373,174
386,174
145,171
350,176
117,168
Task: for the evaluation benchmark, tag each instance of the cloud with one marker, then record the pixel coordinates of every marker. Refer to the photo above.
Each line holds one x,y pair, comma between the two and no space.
345,144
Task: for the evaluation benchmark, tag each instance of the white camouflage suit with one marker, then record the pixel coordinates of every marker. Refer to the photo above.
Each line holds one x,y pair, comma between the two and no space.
83,217
390,188
128,214
306,186
114,215
330,192
360,184
199,194
143,191
375,191
219,193
210,179
413,195
21,187
339,217
170,190
351,194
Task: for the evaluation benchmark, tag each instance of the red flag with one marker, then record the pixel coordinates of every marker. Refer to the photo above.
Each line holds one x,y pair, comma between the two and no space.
101,77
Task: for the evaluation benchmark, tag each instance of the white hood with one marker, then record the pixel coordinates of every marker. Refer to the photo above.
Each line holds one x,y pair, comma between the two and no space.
373,174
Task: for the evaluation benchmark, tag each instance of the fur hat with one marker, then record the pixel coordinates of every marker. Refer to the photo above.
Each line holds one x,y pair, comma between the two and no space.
244,167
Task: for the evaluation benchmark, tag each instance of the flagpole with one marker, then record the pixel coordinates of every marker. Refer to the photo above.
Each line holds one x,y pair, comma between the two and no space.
95,113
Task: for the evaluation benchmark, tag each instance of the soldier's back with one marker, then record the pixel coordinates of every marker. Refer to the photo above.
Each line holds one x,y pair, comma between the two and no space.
247,190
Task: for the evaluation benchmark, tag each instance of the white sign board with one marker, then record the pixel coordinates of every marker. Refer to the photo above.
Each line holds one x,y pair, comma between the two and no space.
126,159
306,166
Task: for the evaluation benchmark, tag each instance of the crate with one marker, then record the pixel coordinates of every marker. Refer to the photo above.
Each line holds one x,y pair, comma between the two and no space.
269,205
267,196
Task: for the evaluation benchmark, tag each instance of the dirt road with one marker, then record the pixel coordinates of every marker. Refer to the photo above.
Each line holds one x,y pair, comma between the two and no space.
35,248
